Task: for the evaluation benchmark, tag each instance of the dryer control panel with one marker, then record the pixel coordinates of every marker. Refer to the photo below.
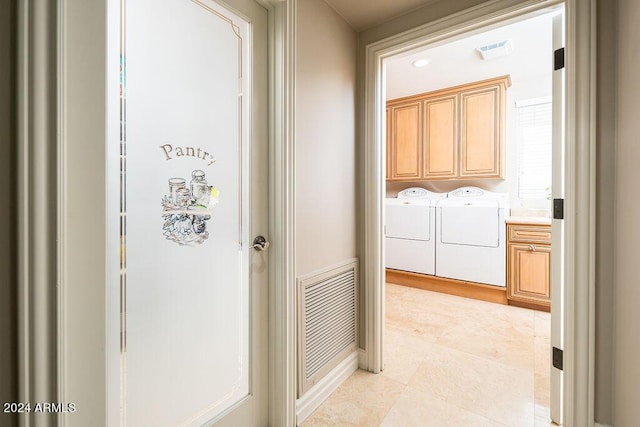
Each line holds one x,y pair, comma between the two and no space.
468,192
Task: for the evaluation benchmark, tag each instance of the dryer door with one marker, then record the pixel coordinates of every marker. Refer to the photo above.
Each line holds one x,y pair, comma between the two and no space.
472,224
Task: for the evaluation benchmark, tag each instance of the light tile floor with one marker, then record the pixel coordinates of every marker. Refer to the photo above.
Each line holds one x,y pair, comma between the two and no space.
449,361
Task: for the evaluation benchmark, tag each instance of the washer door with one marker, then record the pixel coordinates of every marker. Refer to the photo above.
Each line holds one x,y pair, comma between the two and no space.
407,220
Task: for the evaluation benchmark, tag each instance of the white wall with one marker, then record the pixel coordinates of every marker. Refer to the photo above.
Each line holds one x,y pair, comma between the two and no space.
325,138
627,225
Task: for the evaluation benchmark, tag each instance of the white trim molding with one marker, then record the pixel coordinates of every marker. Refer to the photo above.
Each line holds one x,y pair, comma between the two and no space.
363,359
282,315
579,178
82,259
317,394
37,193
580,198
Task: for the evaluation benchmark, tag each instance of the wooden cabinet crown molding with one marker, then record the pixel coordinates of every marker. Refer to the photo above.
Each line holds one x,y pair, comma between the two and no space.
505,80
452,133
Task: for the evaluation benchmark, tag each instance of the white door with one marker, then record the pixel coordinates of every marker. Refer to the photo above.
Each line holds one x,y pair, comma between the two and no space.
193,195
557,262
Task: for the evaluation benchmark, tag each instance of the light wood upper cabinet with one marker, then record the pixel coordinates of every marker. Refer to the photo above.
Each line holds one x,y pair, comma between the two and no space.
441,137
481,136
406,141
459,133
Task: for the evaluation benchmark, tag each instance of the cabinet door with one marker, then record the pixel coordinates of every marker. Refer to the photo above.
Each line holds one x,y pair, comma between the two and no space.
441,137
406,141
481,132
529,273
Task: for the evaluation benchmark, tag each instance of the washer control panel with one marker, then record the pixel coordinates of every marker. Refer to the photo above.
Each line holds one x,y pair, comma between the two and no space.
413,192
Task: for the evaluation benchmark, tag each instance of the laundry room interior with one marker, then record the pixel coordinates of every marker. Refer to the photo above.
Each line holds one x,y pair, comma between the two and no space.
468,208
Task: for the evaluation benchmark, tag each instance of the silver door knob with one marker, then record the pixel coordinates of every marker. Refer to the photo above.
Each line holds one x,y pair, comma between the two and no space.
260,244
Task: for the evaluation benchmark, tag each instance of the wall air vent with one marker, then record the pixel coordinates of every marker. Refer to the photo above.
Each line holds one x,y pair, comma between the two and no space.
327,316
495,50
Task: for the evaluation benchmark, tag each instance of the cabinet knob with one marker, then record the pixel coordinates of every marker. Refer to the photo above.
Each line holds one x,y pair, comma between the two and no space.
532,248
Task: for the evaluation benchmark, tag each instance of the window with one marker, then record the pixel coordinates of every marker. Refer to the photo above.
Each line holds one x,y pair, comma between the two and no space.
534,158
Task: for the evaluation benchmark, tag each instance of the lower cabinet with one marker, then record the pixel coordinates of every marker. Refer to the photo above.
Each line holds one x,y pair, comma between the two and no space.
529,265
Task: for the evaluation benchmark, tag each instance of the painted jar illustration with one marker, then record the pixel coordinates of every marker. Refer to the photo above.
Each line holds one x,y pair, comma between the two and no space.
183,197
199,188
199,224
174,185
183,225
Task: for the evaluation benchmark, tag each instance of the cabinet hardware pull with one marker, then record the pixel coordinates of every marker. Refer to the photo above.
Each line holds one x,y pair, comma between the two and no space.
532,248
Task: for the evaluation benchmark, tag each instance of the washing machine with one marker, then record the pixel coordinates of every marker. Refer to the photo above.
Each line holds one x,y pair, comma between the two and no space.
410,230
471,236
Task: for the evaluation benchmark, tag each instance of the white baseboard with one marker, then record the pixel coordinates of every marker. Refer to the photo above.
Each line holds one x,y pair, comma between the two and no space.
363,359
601,425
317,394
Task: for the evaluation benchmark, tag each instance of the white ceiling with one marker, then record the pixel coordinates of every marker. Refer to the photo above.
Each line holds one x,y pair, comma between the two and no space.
458,62
362,14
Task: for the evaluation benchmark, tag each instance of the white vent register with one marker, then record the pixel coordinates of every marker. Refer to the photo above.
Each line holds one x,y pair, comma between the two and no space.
495,50
327,318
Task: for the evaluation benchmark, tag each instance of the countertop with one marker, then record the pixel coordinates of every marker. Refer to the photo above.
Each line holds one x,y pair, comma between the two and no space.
533,220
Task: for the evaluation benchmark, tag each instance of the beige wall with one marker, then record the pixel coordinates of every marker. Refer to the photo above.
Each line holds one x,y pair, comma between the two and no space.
605,197
605,165
325,138
8,291
626,395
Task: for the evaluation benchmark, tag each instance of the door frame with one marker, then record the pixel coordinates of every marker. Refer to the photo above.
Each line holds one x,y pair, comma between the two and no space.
579,234
65,304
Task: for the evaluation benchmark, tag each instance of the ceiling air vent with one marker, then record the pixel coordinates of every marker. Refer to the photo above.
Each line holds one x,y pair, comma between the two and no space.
495,50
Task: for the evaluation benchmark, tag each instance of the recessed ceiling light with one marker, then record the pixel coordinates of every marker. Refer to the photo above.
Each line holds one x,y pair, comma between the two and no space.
420,63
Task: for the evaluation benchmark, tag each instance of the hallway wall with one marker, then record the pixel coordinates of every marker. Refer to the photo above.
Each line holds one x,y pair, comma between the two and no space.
626,394
325,138
605,198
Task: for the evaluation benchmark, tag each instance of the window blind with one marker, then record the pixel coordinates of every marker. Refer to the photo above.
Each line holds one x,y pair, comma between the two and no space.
535,155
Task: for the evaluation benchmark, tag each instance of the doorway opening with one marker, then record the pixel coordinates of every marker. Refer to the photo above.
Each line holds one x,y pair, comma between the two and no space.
499,80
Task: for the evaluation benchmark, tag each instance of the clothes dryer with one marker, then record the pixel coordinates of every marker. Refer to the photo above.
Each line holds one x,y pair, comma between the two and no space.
471,236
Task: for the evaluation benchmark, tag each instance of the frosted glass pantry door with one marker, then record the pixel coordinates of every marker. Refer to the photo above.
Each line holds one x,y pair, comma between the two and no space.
193,193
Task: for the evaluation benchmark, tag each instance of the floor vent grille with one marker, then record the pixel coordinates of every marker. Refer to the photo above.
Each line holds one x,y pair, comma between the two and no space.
327,320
